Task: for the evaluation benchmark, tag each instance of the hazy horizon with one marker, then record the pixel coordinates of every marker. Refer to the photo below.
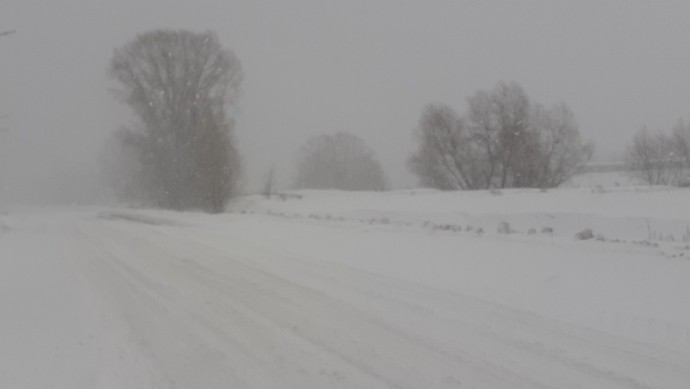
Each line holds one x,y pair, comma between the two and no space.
313,67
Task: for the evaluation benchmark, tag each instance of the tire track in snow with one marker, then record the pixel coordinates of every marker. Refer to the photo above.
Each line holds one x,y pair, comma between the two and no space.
401,360
195,316
158,329
574,347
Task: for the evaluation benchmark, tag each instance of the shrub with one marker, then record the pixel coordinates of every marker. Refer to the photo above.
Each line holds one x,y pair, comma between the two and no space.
547,230
585,234
504,228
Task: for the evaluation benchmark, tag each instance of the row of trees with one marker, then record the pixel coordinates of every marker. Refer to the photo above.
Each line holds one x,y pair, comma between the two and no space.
179,151
502,141
661,158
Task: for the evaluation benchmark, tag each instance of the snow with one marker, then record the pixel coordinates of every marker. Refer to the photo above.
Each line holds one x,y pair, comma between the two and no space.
323,289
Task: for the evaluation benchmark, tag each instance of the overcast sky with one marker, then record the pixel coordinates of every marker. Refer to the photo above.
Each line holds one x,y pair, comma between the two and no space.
311,67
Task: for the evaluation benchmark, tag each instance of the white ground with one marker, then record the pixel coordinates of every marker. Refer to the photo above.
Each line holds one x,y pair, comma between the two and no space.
353,290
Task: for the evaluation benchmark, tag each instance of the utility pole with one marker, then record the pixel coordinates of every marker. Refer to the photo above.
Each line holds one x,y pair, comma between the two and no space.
3,34
2,118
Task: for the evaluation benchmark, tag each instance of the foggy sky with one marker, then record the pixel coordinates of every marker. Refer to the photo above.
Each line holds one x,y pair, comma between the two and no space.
367,67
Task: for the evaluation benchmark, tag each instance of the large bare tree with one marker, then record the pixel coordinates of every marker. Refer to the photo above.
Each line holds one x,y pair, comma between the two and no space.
446,157
178,85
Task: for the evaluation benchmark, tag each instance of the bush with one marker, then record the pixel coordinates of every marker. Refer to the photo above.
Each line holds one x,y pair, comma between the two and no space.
504,228
504,141
585,234
547,230
341,161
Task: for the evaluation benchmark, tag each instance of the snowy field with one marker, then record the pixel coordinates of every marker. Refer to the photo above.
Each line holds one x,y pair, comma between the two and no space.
407,289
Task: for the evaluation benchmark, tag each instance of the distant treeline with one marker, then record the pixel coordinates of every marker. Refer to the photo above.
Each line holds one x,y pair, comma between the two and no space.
180,152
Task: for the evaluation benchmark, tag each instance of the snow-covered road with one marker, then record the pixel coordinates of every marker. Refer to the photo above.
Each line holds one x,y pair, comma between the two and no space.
91,299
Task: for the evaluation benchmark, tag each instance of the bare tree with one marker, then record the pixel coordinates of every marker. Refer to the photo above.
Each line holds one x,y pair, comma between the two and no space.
681,144
648,156
504,142
561,151
341,161
499,121
445,158
178,84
